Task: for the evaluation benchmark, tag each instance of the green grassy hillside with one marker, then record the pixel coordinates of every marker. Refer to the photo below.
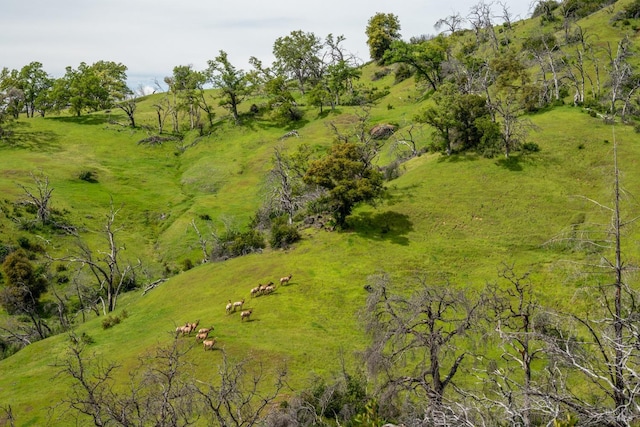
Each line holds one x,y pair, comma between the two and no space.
455,218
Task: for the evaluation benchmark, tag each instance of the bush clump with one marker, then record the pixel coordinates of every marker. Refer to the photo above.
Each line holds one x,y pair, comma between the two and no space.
234,243
283,234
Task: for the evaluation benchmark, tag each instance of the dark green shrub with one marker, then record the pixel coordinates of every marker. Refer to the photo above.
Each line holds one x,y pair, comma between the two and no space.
187,264
530,147
283,234
379,74
110,321
247,242
23,242
88,176
4,251
402,73
233,243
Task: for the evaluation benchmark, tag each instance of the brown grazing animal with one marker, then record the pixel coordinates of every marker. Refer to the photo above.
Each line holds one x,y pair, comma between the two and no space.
181,330
229,305
285,279
245,315
238,304
203,334
208,344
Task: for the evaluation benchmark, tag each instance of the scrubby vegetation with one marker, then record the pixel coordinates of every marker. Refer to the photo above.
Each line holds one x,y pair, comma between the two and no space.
431,210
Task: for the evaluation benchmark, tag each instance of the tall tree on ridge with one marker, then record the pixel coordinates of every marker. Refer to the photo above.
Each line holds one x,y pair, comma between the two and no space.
382,30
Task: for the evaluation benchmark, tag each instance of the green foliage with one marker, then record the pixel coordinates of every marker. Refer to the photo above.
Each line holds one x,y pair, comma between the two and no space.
425,58
88,176
232,83
112,320
24,284
341,400
297,57
90,87
632,10
283,234
402,72
460,121
382,30
348,179
233,243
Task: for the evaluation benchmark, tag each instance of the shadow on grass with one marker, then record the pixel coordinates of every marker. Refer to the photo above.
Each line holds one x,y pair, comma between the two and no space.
88,119
391,226
458,158
512,163
22,137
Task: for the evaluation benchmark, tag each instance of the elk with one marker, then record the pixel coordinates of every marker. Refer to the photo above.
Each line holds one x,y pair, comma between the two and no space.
208,344
238,304
203,333
284,280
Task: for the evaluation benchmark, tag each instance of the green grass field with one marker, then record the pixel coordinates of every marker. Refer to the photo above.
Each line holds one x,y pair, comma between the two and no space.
456,218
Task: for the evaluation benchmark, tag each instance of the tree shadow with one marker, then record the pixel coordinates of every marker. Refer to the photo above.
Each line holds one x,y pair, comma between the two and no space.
459,157
87,119
512,163
391,226
22,137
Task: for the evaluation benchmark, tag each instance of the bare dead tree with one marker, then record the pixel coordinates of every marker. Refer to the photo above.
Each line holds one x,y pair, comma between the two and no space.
621,75
602,345
404,141
202,241
8,418
161,389
129,106
511,392
91,394
506,16
451,23
287,191
358,130
110,271
416,349
240,398
40,197
515,128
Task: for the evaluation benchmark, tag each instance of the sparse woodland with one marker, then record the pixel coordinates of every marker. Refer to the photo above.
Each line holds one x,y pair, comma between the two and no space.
442,234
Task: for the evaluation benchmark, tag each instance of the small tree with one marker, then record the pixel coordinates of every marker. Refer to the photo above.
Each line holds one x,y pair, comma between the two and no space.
111,273
418,345
40,199
164,390
232,83
297,57
382,29
24,285
348,178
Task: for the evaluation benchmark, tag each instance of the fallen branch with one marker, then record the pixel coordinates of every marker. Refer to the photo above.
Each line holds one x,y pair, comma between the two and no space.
153,285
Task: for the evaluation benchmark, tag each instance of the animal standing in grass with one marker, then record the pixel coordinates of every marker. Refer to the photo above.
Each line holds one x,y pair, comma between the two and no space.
284,280
238,304
208,344
187,328
229,306
203,334
245,315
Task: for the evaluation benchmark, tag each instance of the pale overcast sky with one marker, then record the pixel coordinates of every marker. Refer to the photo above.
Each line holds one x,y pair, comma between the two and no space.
150,37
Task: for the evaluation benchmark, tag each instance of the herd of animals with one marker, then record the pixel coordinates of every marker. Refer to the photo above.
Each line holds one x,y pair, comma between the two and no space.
231,307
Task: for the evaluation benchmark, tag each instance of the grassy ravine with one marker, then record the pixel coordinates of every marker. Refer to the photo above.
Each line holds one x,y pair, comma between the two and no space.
459,217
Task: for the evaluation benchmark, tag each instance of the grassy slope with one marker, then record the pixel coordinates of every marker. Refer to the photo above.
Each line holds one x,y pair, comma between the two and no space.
460,216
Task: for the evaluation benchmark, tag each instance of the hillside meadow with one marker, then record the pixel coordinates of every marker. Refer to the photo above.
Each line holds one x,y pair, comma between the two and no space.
450,220
454,219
